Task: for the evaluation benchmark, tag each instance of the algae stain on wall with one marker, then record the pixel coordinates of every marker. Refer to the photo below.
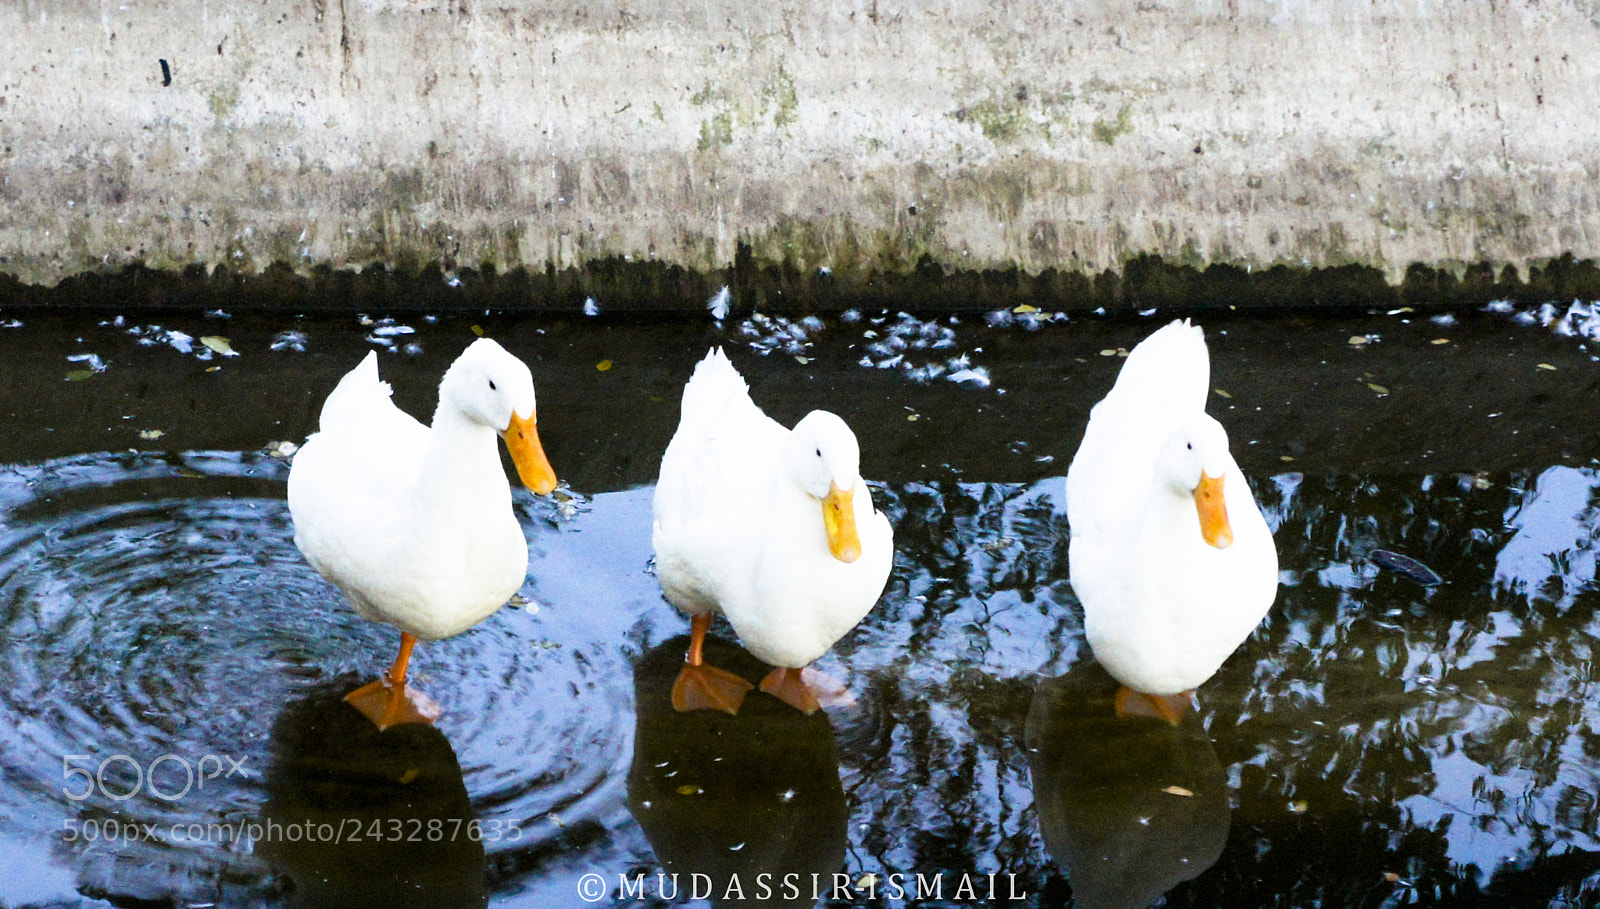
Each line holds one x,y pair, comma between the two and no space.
1108,131
223,99
780,93
716,131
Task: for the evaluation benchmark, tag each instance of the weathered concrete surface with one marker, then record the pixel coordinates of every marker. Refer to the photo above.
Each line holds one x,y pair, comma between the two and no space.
830,134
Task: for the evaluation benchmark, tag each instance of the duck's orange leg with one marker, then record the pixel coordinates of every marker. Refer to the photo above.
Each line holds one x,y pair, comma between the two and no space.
387,701
788,686
703,687
1168,707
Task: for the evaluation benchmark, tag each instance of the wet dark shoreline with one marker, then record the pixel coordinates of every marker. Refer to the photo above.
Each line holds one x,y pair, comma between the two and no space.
622,285
1479,393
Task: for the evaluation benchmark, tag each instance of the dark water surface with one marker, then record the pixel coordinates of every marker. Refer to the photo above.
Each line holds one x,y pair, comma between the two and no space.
170,730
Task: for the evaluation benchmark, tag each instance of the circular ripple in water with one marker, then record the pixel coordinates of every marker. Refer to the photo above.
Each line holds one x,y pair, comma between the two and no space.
157,622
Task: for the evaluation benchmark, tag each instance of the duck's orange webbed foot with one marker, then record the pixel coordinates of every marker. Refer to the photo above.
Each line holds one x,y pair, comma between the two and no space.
788,686
1169,708
704,687
387,704
387,701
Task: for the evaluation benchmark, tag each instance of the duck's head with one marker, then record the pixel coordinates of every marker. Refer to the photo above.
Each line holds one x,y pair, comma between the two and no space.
487,385
1194,463
823,459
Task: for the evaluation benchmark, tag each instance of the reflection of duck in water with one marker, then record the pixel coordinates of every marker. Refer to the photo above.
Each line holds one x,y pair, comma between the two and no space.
772,527
1169,553
752,802
414,523
355,817
1131,806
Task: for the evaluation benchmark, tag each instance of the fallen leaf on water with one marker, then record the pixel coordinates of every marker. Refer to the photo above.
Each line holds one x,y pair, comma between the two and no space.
1222,393
603,365
477,331
913,417
1359,340
1406,566
78,375
150,435
1178,790
1441,341
219,344
689,789
1546,366
1298,806
1285,457
1377,388
214,369
1024,308
410,774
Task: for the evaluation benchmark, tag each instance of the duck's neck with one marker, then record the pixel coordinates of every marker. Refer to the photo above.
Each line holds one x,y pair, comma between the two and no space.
462,462
1171,523
793,511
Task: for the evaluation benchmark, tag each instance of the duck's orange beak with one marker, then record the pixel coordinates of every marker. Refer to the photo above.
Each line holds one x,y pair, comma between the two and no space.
522,439
839,518
1213,510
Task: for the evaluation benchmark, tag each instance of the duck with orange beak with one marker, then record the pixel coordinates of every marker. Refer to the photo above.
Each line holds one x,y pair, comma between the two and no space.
1170,555
773,528
414,523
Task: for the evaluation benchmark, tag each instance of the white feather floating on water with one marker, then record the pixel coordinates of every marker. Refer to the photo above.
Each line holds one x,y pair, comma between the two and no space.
719,303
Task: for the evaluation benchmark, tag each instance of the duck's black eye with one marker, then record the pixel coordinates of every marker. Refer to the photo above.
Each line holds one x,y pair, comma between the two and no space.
819,452
1188,445
492,386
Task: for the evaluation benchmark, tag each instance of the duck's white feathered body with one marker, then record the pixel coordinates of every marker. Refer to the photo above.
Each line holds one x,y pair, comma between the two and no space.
414,523
737,531
1163,607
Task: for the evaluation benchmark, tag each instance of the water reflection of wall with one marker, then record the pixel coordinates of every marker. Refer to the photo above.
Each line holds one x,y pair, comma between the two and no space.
735,807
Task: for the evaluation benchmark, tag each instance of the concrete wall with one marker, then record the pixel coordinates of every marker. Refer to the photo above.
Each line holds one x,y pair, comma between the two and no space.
831,133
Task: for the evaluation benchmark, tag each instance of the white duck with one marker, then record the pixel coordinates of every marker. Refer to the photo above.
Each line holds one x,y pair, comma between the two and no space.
772,527
414,523
1169,554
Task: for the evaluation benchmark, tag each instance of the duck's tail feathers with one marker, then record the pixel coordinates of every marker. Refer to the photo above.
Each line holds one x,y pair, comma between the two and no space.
1172,364
355,394
714,387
